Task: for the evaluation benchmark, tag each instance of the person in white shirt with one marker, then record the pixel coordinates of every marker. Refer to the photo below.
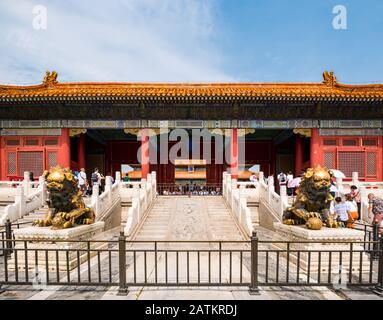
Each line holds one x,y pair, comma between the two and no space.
82,181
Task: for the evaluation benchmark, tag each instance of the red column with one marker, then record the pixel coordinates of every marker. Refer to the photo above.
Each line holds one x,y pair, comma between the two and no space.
64,153
298,154
234,153
81,151
315,152
144,153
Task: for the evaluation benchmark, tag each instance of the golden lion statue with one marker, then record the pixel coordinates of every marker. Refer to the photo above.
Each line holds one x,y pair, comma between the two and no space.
312,204
66,206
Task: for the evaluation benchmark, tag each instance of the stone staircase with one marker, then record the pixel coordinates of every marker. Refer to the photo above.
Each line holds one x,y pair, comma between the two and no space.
38,214
182,218
254,207
124,212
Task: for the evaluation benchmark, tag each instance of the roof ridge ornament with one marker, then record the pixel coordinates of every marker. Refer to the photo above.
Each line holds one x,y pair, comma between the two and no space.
329,78
50,78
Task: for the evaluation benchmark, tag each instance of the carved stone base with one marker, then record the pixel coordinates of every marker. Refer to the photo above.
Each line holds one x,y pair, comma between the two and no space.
332,255
63,249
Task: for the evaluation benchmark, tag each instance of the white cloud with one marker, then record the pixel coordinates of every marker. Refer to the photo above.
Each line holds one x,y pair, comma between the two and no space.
125,40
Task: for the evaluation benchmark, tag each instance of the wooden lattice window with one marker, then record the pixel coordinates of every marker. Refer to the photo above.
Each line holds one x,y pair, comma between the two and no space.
370,142
371,163
50,142
12,163
52,159
31,161
329,159
351,161
329,142
12,142
31,142
350,142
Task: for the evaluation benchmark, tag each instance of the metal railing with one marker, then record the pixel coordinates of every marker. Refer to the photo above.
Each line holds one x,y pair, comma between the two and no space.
372,233
169,189
253,264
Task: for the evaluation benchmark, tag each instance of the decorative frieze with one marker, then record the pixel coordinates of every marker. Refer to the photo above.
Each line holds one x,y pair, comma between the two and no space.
244,124
30,132
350,132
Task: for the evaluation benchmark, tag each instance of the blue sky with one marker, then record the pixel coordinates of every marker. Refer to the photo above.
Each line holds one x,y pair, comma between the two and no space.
191,41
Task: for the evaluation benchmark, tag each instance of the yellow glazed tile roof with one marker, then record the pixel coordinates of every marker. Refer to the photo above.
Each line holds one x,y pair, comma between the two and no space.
329,89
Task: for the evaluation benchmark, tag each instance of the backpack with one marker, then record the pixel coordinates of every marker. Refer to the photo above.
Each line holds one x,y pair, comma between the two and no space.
94,177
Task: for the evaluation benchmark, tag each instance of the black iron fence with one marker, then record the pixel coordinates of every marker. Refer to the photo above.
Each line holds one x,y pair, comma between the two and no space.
254,264
170,189
371,233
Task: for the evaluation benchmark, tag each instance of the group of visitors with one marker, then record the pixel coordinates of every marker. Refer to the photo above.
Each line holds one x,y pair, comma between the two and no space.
345,210
191,189
83,184
286,179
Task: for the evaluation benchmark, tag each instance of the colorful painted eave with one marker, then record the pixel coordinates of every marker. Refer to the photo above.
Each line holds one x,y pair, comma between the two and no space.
329,89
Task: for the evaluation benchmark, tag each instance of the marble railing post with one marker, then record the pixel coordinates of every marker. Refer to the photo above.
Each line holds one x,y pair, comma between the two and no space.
108,188
224,184
233,189
355,178
43,189
339,185
143,189
21,199
118,176
241,196
364,203
26,183
95,196
270,181
283,200
261,176
154,184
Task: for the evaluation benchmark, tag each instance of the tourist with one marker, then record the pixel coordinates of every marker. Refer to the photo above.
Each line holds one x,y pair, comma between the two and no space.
375,211
282,179
357,197
126,178
289,179
352,210
31,179
253,178
82,181
333,189
340,211
96,178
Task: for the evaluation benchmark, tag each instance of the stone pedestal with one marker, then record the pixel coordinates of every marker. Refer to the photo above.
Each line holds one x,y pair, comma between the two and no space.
329,248
62,249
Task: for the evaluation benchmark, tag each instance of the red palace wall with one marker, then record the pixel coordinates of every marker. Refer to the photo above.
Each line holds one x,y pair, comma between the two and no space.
352,153
33,153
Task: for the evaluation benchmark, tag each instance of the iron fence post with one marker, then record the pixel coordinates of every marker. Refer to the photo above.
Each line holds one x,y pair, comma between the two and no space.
122,290
379,287
8,237
253,289
375,238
